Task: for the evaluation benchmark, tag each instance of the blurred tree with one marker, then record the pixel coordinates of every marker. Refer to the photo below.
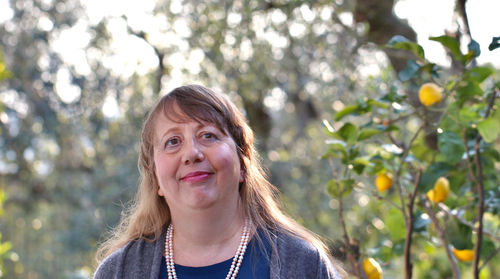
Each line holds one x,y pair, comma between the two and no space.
5,246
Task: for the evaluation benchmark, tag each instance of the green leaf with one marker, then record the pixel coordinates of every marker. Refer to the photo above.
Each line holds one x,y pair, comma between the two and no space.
333,188
410,71
346,186
338,188
393,97
431,69
466,58
337,149
348,132
468,114
384,253
400,42
363,161
489,129
337,145
487,247
359,164
479,74
4,72
460,235
473,46
376,103
351,109
421,151
395,223
451,44
493,153
5,247
495,43
432,173
470,89
390,128
451,146
368,133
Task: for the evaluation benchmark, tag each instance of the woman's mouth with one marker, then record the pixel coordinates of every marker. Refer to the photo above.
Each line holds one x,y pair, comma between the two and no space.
196,176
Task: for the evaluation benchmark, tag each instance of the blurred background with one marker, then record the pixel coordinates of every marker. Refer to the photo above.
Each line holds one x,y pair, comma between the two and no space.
78,78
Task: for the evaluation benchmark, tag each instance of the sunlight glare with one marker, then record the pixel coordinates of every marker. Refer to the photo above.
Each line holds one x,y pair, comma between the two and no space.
110,107
6,13
70,43
67,91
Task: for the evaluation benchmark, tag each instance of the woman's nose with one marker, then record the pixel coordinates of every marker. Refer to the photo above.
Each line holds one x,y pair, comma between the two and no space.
192,153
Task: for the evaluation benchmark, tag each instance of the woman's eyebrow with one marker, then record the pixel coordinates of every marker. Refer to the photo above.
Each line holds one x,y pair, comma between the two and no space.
168,131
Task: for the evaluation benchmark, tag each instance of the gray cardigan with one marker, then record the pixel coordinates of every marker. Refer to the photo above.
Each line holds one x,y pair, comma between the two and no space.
298,259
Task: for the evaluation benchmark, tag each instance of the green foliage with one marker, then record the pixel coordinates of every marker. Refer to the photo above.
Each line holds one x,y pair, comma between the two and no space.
451,44
4,72
400,42
489,128
451,147
5,246
495,43
425,144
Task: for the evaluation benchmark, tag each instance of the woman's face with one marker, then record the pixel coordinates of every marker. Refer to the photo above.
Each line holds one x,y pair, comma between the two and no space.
196,165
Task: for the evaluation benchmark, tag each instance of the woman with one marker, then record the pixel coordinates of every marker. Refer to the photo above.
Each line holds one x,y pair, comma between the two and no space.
204,208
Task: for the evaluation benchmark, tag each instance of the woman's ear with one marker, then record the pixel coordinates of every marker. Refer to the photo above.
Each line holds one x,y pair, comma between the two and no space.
242,175
160,192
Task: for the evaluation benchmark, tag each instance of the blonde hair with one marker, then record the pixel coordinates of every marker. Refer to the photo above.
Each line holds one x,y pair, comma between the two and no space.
149,213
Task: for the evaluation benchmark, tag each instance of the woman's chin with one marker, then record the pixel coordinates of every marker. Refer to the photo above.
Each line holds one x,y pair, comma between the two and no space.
201,199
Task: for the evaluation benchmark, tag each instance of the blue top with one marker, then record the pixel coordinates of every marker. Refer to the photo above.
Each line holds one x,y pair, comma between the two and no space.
295,258
255,265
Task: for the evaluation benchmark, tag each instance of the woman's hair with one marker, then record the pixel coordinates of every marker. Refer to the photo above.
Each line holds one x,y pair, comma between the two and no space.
149,213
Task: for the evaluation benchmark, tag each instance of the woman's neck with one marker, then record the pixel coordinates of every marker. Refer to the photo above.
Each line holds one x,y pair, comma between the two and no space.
205,237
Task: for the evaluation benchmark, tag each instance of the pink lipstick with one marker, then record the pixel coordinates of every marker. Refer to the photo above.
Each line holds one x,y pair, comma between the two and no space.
196,176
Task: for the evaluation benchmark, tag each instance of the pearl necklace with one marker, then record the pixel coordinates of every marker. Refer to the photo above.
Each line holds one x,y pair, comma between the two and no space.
235,265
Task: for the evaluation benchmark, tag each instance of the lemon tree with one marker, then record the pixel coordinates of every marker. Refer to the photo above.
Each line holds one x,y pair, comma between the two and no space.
426,154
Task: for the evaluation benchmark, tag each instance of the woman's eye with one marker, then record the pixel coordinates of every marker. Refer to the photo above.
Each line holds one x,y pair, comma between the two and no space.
172,142
208,136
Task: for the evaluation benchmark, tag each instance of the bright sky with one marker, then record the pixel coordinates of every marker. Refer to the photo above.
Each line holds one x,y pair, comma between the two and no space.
130,54
427,22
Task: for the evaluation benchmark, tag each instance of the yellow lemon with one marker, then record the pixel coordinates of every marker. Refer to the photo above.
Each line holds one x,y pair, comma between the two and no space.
383,182
440,191
372,269
430,195
465,255
429,94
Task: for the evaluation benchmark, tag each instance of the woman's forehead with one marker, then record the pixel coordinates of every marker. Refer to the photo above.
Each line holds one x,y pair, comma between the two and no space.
177,116
186,113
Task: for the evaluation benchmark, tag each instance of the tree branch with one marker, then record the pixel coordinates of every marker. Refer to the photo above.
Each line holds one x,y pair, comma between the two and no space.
444,240
347,241
480,192
480,207
490,256
462,220
406,151
160,54
409,229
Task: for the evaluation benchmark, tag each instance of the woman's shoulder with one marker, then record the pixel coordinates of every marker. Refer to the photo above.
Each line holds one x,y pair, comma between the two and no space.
296,246
299,258
128,261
